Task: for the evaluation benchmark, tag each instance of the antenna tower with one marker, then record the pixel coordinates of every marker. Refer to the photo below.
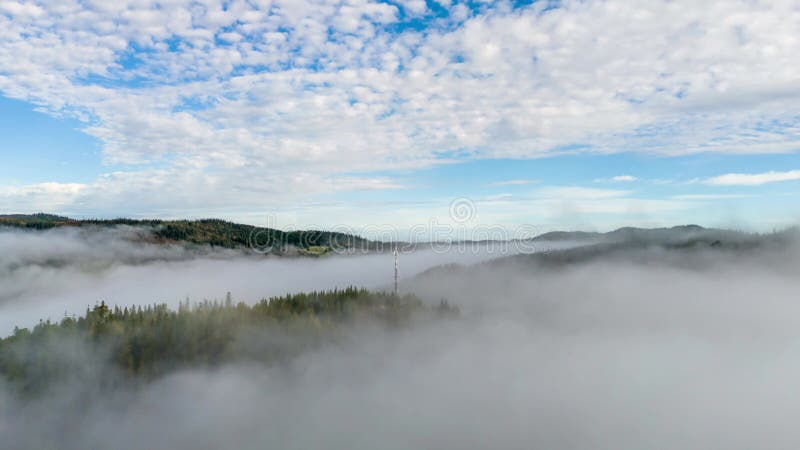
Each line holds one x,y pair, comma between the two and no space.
395,270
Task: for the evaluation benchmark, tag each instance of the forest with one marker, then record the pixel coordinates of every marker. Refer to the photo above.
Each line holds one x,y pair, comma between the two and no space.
212,232
144,342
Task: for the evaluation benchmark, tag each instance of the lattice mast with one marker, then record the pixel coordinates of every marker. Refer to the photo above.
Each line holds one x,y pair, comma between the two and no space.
395,270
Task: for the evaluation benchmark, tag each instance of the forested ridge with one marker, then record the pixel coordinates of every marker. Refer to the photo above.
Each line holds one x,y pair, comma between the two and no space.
213,232
143,342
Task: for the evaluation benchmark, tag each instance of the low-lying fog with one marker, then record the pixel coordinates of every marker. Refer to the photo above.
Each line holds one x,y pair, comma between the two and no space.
47,274
694,349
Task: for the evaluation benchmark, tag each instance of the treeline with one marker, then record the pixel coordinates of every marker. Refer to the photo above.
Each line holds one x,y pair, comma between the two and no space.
39,221
139,343
268,240
214,232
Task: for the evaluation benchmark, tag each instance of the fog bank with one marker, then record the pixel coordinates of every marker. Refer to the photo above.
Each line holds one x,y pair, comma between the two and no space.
648,348
62,271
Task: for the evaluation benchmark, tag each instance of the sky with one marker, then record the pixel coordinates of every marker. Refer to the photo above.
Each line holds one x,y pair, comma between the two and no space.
366,114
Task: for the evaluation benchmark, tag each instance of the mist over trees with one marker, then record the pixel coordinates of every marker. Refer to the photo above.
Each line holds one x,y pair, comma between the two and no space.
146,342
646,343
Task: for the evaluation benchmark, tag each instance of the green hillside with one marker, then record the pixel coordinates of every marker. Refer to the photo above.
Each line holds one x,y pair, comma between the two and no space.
212,232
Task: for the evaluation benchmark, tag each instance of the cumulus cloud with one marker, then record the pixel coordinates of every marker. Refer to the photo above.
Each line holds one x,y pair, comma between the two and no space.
268,92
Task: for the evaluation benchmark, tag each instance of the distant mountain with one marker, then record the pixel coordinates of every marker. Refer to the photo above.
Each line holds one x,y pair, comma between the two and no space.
569,236
221,233
213,232
682,246
680,232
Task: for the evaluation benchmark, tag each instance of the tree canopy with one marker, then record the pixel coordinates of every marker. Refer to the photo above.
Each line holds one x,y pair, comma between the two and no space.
144,342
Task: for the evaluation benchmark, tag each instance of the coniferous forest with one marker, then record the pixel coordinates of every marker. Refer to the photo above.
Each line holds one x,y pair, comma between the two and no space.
144,342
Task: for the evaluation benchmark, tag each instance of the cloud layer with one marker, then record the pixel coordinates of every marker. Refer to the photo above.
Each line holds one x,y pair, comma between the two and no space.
227,105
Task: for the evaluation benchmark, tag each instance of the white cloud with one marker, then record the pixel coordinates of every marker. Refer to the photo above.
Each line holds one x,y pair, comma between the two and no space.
39,197
754,179
709,196
318,89
414,6
20,9
624,178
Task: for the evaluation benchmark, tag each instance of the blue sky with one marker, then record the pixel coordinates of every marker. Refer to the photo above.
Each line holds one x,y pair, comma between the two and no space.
570,114
40,148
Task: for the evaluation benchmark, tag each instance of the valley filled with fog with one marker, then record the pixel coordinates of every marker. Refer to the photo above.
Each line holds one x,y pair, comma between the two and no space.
679,343
62,271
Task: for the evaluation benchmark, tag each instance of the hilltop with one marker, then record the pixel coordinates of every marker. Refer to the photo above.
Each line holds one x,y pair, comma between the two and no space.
664,234
212,232
680,246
